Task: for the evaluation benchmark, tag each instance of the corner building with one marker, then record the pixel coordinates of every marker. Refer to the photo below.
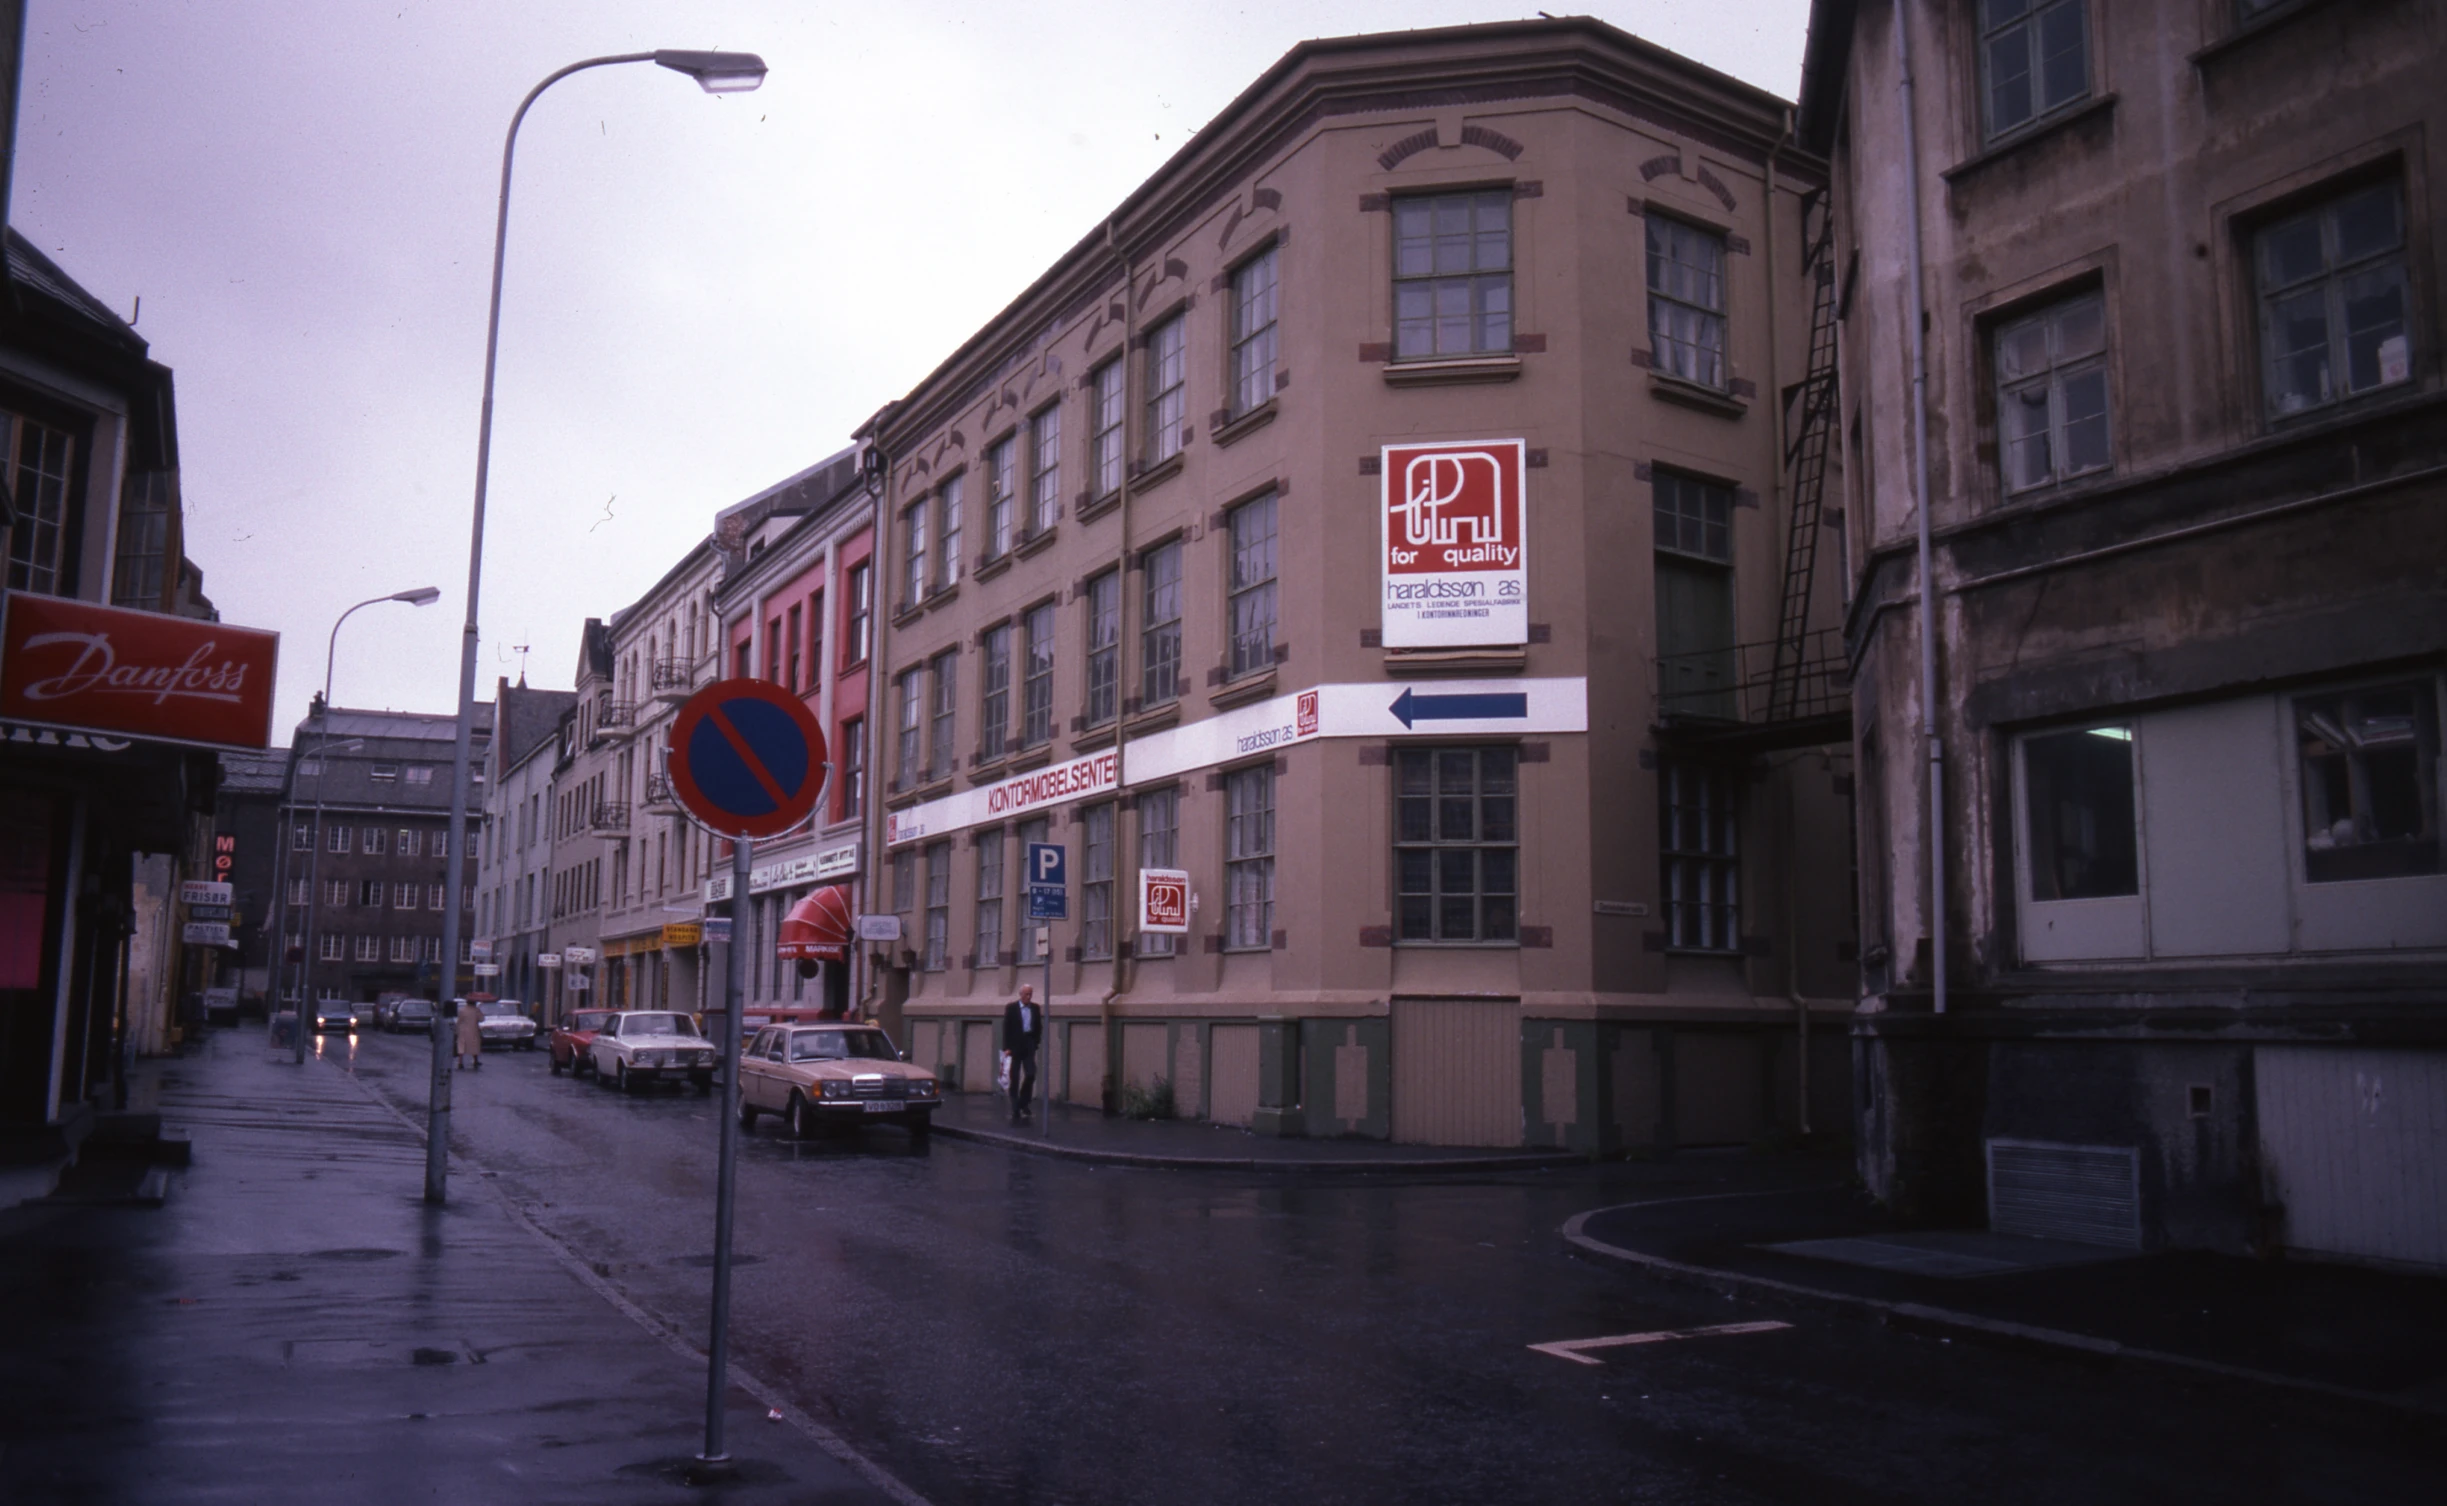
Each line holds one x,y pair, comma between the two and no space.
1508,861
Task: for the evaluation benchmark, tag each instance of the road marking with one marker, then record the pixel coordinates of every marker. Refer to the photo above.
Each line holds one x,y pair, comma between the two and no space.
1570,1349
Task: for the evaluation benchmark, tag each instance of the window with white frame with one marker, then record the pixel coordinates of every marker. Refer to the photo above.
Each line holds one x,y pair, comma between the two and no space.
1452,274
1037,677
2034,60
1252,586
908,760
336,892
1036,829
411,842
862,615
1159,847
38,459
369,949
994,703
1105,422
369,894
2369,761
1160,630
853,767
1249,858
337,839
1686,301
947,558
1701,855
943,681
1104,638
2052,393
403,896
2080,823
914,542
1457,844
1044,469
301,838
420,774
905,880
300,891
1001,481
2334,303
403,949
1096,882
333,947
990,870
938,907
1254,299
377,841
383,773
1167,387
434,895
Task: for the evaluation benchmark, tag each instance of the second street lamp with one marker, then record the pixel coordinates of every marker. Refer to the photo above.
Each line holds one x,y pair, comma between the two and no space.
716,73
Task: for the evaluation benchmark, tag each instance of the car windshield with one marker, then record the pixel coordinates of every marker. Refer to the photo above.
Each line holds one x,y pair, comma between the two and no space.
419,1007
839,1045
586,1022
657,1024
507,1009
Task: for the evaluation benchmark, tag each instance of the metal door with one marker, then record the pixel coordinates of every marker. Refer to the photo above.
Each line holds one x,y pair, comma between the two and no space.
2353,1148
1456,1072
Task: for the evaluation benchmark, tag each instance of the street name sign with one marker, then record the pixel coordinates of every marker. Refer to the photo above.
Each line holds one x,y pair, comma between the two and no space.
747,758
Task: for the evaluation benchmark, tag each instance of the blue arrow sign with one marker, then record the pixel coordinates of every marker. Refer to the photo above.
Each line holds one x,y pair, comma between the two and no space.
1413,707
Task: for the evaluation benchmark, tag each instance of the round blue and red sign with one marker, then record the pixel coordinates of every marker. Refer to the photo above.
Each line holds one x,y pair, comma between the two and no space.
747,758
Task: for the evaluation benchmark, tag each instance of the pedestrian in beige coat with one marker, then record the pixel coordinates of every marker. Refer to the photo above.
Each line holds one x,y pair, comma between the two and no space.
471,1034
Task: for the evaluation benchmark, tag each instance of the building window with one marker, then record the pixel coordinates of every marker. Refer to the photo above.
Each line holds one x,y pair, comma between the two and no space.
1254,300
1160,637
853,767
1452,275
944,673
2082,841
403,896
2333,301
334,947
913,554
1104,636
2052,393
1252,602
1457,844
2369,775
938,905
38,483
1694,595
300,891
1159,847
990,897
441,843
433,896
1703,876
994,726
411,841
794,631
377,841
947,559
433,949
1037,682
1105,425
2034,59
1096,883
403,949
1249,858
420,774
905,880
383,773
369,894
1686,301
1167,387
910,772
861,605
1044,470
369,949
1000,479
1033,831
301,838
336,839
138,574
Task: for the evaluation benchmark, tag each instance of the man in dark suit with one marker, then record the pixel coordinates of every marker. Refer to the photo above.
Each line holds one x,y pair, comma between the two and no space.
1023,1033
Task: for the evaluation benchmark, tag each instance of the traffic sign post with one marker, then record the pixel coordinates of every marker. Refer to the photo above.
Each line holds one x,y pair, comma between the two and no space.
747,761
1049,900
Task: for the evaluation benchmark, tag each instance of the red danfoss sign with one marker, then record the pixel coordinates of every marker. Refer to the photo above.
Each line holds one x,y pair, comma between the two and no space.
87,668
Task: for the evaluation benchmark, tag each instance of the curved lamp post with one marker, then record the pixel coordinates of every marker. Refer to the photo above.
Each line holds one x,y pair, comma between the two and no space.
716,73
422,596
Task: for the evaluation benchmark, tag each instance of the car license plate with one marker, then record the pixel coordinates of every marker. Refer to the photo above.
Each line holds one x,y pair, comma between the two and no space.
883,1106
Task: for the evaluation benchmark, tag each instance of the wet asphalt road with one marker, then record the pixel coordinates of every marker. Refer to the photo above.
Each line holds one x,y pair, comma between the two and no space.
996,1327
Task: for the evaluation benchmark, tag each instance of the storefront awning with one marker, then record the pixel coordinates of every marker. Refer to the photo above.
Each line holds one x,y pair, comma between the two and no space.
818,928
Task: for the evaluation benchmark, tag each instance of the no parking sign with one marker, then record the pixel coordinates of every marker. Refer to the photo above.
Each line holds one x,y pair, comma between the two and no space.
747,758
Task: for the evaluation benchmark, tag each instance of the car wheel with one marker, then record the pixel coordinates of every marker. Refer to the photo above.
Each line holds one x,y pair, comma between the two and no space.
747,1118
620,1078
556,1066
802,1119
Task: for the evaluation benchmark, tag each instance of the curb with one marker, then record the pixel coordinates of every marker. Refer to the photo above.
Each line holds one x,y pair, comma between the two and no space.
1250,1163
1915,1317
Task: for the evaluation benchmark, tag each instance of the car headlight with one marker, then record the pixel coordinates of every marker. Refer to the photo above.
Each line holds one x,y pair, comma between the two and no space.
923,1087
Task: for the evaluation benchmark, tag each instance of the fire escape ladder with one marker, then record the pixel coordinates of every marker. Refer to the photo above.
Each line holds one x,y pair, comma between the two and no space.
1810,427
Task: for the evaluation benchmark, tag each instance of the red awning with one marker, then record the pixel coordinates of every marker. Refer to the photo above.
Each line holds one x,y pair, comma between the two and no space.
818,928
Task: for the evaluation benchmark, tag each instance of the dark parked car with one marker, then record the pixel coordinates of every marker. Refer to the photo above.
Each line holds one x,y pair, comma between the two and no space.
411,1016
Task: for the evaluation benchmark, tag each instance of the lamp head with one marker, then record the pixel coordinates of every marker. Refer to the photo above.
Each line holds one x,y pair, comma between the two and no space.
716,72
422,596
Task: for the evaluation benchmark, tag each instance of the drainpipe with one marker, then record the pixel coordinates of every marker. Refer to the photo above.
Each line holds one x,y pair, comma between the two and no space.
877,862
1933,829
1125,869
1782,497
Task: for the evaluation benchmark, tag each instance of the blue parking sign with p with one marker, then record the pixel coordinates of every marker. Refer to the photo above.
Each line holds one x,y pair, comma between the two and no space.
1048,881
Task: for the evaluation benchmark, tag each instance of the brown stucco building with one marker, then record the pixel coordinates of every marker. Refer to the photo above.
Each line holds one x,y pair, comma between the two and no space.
1520,852
2180,264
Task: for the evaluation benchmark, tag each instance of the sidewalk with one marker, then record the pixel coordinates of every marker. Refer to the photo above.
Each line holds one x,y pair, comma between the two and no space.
294,1324
1085,1134
2363,1335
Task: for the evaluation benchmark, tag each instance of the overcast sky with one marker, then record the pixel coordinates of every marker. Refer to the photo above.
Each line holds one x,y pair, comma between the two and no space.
705,294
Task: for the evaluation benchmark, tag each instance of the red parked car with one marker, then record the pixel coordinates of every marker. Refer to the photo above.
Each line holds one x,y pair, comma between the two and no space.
573,1040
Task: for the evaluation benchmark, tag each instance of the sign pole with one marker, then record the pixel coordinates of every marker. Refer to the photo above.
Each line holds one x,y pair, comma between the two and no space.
1045,1048
726,1176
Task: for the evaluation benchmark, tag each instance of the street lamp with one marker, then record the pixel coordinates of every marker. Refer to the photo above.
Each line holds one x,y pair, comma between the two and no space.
422,596
715,73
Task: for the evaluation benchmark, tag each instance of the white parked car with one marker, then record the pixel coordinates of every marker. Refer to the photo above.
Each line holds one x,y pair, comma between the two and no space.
505,1023
650,1045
